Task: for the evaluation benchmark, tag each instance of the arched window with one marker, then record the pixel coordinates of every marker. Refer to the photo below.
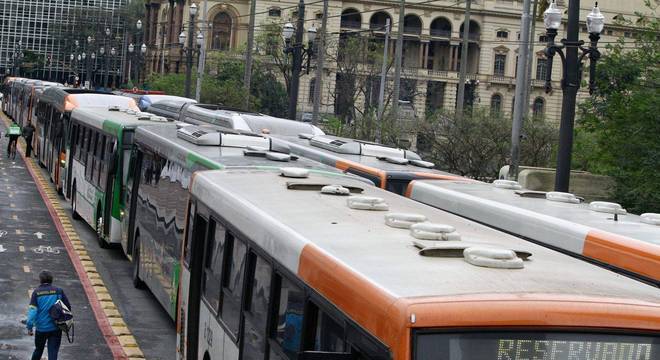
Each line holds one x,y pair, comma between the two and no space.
378,21
539,106
474,31
496,104
412,24
351,19
441,27
222,28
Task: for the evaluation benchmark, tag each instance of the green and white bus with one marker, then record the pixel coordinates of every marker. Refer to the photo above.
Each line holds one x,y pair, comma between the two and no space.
162,165
98,151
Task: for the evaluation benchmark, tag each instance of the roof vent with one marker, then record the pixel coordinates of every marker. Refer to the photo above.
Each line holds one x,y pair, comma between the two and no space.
562,197
305,136
294,172
200,135
432,231
492,257
650,218
422,163
607,207
257,148
403,220
335,190
394,160
455,249
114,108
507,184
277,156
367,203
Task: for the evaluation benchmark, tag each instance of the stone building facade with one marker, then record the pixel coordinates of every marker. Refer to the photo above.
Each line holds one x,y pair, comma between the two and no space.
432,44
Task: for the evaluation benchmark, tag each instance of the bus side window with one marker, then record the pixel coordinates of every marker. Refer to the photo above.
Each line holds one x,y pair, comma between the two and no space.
78,143
72,143
257,303
100,167
232,283
328,333
94,136
286,329
85,148
213,257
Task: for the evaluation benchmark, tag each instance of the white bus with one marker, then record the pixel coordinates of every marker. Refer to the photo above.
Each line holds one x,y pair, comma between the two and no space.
602,232
163,162
282,268
99,148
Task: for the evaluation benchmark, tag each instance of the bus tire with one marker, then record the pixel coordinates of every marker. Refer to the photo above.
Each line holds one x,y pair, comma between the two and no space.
137,282
74,207
99,232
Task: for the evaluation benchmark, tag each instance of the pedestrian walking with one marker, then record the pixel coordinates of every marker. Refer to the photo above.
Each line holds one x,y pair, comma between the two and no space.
43,299
27,132
13,133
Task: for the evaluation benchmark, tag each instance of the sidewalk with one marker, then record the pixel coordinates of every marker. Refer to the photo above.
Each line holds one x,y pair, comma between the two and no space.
30,242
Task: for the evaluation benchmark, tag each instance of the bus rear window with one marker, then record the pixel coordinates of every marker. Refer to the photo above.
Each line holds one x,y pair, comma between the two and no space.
127,139
534,345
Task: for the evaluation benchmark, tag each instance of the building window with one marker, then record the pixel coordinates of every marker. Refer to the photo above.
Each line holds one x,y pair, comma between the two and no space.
274,12
222,27
501,34
500,64
538,107
543,38
627,34
312,85
496,104
609,32
318,16
541,69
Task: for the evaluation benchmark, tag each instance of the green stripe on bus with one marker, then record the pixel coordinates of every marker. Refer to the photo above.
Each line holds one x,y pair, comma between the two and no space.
112,127
192,159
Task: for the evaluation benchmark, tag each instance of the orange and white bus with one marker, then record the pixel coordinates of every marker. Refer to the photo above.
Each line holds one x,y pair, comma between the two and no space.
54,121
282,268
602,232
387,167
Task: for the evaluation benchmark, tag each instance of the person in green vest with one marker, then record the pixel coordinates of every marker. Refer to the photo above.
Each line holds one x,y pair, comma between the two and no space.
13,133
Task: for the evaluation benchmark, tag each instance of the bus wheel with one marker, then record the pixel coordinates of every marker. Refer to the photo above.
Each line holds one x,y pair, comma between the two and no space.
74,207
137,282
99,233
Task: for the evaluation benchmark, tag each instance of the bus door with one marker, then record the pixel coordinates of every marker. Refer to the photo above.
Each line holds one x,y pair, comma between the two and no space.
108,174
130,200
72,143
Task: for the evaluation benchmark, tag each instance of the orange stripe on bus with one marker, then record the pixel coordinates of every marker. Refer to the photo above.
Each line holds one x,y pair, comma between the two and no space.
389,318
409,189
370,306
423,175
344,165
630,254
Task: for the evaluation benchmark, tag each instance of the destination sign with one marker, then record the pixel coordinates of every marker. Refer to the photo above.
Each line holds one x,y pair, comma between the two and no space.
535,346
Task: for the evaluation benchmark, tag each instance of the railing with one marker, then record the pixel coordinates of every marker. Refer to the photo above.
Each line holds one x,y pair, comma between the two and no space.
350,24
440,32
377,27
438,73
500,79
538,83
412,30
411,71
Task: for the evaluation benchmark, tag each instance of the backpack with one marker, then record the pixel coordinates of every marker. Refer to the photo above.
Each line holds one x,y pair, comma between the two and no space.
63,318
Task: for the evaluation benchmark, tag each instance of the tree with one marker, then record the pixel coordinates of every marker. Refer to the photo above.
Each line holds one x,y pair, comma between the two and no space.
618,128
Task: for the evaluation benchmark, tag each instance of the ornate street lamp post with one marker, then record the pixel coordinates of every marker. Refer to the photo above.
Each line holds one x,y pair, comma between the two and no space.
189,53
298,51
572,68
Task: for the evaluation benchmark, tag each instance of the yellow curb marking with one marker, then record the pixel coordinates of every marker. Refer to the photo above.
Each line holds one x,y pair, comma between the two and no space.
15,217
12,205
26,268
21,248
19,232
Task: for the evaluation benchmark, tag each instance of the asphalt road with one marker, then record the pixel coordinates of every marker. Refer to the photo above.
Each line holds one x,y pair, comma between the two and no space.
22,209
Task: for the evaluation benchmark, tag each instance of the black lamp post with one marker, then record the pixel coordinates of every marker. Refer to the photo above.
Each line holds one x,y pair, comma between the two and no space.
105,58
189,50
88,62
572,69
298,50
113,52
18,58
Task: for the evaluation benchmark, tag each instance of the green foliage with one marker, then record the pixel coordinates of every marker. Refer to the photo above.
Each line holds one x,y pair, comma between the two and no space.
479,144
619,127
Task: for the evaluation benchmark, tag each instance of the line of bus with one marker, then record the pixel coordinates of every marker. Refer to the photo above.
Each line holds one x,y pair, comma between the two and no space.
600,231
53,127
296,272
163,161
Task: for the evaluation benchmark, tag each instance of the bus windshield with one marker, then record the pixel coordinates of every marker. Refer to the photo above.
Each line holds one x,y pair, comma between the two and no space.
507,345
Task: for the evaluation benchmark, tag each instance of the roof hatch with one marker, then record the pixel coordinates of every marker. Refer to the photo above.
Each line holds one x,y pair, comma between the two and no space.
215,137
354,147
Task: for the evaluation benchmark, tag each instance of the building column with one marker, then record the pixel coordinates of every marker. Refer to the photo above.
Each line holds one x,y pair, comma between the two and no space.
172,23
426,55
420,58
147,24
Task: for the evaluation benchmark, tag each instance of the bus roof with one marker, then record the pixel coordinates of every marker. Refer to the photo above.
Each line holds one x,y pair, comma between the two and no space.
146,100
574,227
375,275
164,140
115,120
66,99
363,156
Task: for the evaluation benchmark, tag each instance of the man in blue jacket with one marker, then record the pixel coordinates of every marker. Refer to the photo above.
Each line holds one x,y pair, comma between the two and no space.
41,301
